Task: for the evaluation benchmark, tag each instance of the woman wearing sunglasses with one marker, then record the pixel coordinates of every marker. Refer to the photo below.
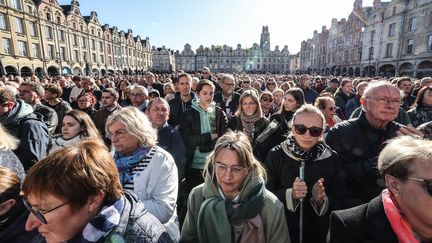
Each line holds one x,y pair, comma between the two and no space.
403,212
304,146
233,205
328,107
75,195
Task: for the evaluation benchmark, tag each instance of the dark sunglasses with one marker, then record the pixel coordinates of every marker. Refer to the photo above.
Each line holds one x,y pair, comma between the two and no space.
37,213
270,83
313,131
427,183
332,108
267,99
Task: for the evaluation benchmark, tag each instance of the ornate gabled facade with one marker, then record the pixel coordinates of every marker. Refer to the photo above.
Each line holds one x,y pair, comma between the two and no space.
163,60
258,58
43,37
389,39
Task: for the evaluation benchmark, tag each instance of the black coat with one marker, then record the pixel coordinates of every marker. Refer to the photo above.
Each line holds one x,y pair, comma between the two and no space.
364,223
282,171
178,107
232,106
236,125
190,130
358,145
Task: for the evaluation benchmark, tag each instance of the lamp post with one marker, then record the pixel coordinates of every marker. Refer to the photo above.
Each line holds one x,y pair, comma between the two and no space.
59,60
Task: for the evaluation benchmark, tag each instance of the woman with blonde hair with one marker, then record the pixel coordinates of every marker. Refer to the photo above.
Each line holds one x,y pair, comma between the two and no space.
233,205
8,159
145,168
76,126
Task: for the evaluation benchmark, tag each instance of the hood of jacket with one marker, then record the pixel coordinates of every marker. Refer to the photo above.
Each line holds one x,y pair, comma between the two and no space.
18,112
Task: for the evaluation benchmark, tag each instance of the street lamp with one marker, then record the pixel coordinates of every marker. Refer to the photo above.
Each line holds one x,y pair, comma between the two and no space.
59,60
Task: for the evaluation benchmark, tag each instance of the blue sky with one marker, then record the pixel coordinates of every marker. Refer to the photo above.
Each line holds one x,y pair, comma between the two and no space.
174,23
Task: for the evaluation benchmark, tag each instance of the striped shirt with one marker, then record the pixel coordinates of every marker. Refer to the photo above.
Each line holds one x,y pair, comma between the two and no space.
138,167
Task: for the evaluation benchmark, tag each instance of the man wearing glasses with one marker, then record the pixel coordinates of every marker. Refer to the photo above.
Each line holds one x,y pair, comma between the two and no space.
402,212
139,97
227,99
359,141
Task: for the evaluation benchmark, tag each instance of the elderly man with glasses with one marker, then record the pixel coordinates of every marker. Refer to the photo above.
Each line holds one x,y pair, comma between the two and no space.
359,141
227,99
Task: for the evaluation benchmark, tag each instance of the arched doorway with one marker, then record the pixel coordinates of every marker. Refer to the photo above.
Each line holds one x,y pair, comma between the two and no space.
406,69
357,72
77,71
66,70
424,69
26,72
39,72
350,71
11,70
95,72
387,70
53,71
125,71
369,71
344,71
103,72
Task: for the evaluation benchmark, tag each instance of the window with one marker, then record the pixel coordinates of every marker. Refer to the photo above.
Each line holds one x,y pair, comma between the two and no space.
410,43
76,55
74,39
109,49
50,52
394,11
83,42
371,52
22,48
93,44
35,50
19,28
61,36
32,28
49,33
429,46
412,22
93,58
2,2
101,48
85,56
3,23
63,53
7,46
101,58
389,50
29,9
392,29
16,4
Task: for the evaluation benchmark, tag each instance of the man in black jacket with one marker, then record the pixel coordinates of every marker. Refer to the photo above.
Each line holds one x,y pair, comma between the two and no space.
182,99
227,99
18,118
359,141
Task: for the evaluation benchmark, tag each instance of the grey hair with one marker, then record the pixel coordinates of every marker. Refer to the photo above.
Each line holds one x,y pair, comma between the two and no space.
7,141
141,88
372,86
397,158
136,123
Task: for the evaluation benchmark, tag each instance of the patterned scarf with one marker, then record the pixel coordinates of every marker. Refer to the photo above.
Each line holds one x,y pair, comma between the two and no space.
292,149
248,123
126,163
101,225
400,226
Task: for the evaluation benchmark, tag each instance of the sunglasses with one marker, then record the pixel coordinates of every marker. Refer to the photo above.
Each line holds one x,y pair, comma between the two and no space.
265,99
270,83
37,213
427,183
332,108
313,131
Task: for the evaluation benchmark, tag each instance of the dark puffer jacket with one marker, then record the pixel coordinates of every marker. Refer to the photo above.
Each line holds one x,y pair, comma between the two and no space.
358,144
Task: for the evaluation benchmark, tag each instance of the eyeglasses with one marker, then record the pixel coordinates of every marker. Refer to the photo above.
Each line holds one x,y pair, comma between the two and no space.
83,101
118,134
386,101
246,82
230,84
135,94
427,183
248,104
37,213
332,108
223,168
270,83
313,131
265,99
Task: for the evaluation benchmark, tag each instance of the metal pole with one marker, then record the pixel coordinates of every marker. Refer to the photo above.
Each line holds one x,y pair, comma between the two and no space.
301,175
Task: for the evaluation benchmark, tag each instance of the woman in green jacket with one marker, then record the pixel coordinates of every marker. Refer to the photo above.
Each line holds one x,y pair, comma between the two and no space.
233,205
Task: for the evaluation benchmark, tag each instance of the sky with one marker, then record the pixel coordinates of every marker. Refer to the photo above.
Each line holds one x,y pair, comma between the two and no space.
173,23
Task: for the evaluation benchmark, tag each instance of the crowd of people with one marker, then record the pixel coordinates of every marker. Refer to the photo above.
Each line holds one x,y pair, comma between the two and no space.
208,157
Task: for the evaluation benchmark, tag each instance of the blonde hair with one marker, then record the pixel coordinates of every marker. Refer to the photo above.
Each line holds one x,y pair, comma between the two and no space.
136,123
7,141
238,142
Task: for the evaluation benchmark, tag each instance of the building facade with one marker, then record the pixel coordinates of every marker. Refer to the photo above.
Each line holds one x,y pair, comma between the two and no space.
163,60
42,37
257,59
391,38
